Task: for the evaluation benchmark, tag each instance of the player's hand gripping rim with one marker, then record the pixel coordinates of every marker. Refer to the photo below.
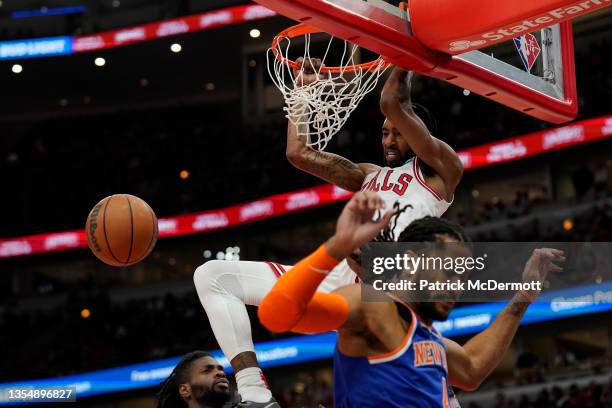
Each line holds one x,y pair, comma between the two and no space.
309,72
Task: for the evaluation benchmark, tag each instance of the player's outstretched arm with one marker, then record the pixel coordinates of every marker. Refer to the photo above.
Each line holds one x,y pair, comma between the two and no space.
470,365
293,304
396,105
330,167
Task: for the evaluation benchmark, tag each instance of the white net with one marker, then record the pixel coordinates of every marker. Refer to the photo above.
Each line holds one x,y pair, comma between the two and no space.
320,109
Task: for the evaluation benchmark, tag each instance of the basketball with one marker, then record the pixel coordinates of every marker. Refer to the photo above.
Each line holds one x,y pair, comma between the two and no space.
121,230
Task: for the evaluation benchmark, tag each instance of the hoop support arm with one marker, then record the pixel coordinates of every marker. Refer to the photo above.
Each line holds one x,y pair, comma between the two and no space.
396,44
387,34
505,91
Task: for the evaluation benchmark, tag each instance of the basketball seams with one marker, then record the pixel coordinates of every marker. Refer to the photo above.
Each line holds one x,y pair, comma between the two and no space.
110,250
127,197
139,248
153,239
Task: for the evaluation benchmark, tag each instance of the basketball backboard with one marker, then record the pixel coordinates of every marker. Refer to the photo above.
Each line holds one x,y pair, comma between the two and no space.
548,93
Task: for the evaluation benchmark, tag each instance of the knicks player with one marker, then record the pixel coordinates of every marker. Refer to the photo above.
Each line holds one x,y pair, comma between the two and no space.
388,353
420,174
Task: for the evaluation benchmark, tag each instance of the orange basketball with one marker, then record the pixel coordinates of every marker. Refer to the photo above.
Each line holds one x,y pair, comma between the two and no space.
121,230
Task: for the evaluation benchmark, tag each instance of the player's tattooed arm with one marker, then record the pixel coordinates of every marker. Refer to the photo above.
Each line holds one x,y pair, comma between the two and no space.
396,105
330,167
470,365
327,166
518,305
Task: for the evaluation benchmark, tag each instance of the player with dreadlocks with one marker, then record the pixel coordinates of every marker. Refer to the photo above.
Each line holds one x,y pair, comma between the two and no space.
197,381
388,353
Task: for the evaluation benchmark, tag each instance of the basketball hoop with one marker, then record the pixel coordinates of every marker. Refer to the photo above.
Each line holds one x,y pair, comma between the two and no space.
320,109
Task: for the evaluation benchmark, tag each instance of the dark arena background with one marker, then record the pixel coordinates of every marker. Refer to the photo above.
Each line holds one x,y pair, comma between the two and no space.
171,101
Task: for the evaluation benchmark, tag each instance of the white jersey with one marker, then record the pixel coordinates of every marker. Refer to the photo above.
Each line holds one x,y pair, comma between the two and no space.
406,186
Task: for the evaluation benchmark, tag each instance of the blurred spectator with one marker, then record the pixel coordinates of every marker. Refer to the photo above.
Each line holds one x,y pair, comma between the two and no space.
81,159
529,368
564,357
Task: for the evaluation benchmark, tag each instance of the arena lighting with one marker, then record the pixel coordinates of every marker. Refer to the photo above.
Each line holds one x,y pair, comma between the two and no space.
231,253
254,33
299,349
66,45
116,3
176,47
17,69
568,224
85,313
210,86
100,62
491,154
184,174
45,11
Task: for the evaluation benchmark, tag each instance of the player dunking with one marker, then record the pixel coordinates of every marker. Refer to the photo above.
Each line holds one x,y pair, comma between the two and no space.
388,354
421,173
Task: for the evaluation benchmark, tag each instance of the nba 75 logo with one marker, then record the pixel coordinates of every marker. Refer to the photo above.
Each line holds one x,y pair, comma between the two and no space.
528,48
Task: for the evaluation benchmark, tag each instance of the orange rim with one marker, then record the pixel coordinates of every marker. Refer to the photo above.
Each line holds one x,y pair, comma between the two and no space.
303,29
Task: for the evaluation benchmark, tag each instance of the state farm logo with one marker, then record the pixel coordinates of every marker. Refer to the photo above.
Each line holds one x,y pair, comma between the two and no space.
216,18
15,248
607,127
208,221
257,12
93,42
256,209
506,151
339,192
65,240
568,134
545,19
302,200
133,34
172,28
466,159
167,225
464,45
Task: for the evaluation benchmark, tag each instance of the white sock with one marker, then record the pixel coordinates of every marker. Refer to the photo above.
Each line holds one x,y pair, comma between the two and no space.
252,385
